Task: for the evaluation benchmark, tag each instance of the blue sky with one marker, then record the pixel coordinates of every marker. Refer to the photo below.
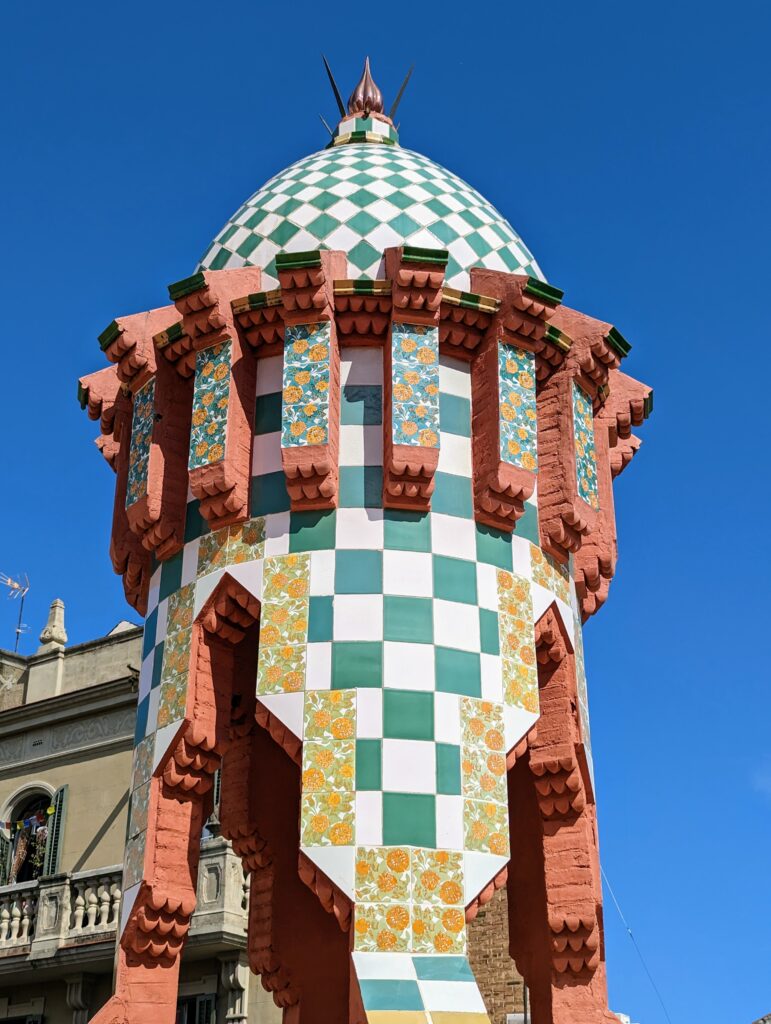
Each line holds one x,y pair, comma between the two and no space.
629,146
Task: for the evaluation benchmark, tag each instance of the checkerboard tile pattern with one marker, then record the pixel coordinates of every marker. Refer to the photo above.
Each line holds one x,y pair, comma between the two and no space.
362,198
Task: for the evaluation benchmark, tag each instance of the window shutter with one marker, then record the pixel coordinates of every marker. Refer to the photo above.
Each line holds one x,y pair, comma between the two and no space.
204,1010
55,831
5,858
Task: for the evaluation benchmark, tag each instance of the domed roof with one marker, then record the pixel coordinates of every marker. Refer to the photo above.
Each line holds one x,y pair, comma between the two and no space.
363,197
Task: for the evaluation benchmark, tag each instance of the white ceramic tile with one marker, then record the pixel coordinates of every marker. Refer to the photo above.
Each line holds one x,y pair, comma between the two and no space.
369,819
359,528
288,708
369,713
458,997
447,717
487,586
449,822
408,666
337,863
322,573
384,966
249,574
358,617
204,589
127,900
520,557
516,723
409,766
164,737
408,573
542,599
162,620
145,676
318,671
277,534
454,454
153,593
269,375
351,445
478,870
190,561
361,365
456,625
266,453
492,682
453,536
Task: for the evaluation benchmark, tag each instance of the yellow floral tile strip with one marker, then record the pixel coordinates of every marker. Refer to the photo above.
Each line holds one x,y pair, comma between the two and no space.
232,545
283,620
483,758
438,919
176,656
328,777
550,573
211,395
517,642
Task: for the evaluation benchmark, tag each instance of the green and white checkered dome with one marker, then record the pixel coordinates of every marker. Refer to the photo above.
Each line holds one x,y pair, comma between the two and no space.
362,198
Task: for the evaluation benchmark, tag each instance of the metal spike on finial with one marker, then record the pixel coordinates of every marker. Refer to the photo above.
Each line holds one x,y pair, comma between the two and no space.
335,90
400,93
366,98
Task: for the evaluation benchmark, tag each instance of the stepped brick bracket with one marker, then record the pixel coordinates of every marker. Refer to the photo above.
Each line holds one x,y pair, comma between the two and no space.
518,351
411,377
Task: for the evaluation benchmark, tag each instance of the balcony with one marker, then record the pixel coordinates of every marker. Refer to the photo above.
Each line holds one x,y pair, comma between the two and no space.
71,920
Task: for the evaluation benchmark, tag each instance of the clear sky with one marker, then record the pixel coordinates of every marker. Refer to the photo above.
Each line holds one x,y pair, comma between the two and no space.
629,146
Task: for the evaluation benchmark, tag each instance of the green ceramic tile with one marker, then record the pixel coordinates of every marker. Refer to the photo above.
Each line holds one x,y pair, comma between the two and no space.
267,417
269,494
452,496
455,579
358,572
361,486
320,619
369,765
409,819
171,576
157,666
494,547
312,531
195,524
357,663
458,672
455,415
488,629
408,619
527,526
448,769
408,715
407,531
361,405
148,637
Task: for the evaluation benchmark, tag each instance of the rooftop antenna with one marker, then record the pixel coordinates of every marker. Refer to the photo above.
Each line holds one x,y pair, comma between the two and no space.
400,93
335,90
16,589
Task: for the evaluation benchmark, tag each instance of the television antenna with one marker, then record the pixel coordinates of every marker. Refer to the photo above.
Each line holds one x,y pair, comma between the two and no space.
17,591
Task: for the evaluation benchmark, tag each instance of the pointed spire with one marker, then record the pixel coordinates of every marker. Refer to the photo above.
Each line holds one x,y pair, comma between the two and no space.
366,98
54,635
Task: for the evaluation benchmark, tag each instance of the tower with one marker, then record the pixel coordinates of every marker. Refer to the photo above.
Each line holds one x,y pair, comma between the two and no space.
364,466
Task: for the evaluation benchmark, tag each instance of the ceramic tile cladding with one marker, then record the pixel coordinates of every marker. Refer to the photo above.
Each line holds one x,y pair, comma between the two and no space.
586,455
550,573
143,762
583,695
283,623
211,394
232,545
415,386
142,420
133,860
483,753
516,391
409,900
176,656
327,802
517,641
305,397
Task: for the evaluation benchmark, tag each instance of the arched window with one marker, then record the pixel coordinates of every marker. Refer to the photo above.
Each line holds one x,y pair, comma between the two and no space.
30,840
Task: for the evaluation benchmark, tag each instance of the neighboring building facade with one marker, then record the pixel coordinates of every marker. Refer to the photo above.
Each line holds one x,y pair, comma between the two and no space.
364,464
67,720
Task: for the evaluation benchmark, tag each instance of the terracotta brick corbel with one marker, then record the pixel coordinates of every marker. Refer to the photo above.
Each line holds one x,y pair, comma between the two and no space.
157,516
521,319
417,278
362,311
260,317
97,394
464,320
307,292
204,302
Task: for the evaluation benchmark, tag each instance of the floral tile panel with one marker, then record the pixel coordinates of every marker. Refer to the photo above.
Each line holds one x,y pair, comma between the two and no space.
231,545
211,395
586,454
483,755
550,573
415,385
142,420
517,642
486,827
328,778
284,624
518,418
176,656
305,394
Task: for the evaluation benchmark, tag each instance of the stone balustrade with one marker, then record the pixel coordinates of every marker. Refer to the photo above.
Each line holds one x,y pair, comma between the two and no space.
75,916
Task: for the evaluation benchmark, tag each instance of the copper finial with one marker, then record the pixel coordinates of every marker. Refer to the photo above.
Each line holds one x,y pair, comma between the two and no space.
366,98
